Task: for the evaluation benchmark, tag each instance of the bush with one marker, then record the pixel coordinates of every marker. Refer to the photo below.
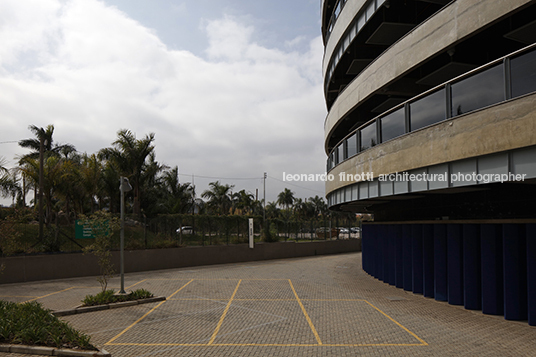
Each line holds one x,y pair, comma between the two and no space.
109,297
31,324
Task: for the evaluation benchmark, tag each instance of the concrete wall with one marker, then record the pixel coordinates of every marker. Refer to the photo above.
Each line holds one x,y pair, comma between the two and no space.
501,127
454,22
60,266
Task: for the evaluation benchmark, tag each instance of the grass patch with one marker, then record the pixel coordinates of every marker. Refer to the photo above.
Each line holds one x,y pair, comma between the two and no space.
31,324
108,297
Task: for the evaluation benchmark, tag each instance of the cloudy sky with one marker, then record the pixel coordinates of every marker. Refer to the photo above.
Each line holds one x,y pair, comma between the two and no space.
231,88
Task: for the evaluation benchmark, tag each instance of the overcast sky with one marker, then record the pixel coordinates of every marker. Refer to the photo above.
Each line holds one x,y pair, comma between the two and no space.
231,88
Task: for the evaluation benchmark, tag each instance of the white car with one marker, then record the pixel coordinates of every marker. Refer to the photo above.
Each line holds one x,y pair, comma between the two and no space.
185,230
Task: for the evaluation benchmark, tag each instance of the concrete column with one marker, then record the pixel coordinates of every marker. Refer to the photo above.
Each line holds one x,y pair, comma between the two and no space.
428,259
455,264
416,235
491,249
515,272
440,262
471,267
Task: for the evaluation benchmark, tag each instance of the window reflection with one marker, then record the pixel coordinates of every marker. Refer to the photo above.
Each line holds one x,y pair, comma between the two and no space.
427,110
368,136
351,145
523,74
393,125
478,91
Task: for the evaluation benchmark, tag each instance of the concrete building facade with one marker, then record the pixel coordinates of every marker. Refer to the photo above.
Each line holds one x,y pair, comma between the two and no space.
431,126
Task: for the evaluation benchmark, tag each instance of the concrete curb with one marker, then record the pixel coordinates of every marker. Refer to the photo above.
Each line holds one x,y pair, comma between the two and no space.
81,310
52,351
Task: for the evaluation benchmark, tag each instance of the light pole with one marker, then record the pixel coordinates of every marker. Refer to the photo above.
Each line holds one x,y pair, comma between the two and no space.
123,187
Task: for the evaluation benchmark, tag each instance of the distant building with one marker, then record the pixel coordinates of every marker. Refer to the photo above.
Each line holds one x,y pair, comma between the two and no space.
431,127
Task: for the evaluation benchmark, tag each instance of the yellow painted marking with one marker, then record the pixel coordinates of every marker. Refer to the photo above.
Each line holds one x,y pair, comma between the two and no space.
129,287
399,324
146,314
305,314
268,344
44,296
223,315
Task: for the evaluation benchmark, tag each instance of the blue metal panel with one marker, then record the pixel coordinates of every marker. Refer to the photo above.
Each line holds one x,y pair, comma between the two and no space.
416,232
531,273
471,267
492,269
440,262
515,272
455,264
428,259
407,254
399,251
392,232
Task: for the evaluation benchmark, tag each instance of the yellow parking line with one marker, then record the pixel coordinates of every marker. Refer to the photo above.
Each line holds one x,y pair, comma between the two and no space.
44,296
129,287
305,314
399,324
146,314
224,313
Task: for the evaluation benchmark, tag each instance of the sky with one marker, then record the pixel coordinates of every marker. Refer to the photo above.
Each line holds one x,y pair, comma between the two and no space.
230,88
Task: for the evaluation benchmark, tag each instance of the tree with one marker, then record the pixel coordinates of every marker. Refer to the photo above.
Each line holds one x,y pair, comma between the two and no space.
243,201
130,156
219,197
320,206
286,198
178,198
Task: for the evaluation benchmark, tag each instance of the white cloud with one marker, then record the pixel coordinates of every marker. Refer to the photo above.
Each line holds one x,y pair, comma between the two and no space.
90,70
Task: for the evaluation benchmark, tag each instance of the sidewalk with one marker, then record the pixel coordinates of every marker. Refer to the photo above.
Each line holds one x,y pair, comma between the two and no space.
318,306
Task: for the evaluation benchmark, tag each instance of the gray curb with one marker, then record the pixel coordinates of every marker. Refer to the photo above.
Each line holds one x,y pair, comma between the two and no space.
51,351
81,310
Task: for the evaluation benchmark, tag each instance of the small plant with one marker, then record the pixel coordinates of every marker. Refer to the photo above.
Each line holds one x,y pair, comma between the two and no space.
31,324
109,297
102,225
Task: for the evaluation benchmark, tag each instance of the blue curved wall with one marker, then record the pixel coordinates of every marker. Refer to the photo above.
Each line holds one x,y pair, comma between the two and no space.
487,267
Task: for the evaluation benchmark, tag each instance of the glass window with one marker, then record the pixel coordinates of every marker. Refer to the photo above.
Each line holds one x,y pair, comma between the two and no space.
428,110
368,136
353,31
478,91
523,74
361,21
341,153
347,41
338,9
370,10
351,145
393,125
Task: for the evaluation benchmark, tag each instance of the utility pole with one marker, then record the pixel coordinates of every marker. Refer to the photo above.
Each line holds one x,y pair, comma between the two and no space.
264,201
41,183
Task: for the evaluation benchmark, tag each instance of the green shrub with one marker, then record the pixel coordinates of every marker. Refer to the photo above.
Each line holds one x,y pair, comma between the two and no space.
109,297
31,324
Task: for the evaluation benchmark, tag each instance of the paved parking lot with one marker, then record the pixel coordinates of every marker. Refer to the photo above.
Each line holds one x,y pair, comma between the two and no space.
318,306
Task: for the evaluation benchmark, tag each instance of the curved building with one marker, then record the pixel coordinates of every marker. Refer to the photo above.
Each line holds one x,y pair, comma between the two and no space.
431,126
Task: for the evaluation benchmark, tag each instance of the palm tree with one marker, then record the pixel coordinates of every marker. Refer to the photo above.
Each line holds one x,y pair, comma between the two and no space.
9,186
219,197
179,197
272,211
45,136
320,206
130,155
286,198
243,201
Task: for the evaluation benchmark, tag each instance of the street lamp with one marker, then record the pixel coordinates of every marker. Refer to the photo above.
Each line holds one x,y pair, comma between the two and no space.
123,187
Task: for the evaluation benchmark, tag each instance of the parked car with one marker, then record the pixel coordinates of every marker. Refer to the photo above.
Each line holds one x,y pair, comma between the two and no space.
185,230
344,230
355,230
